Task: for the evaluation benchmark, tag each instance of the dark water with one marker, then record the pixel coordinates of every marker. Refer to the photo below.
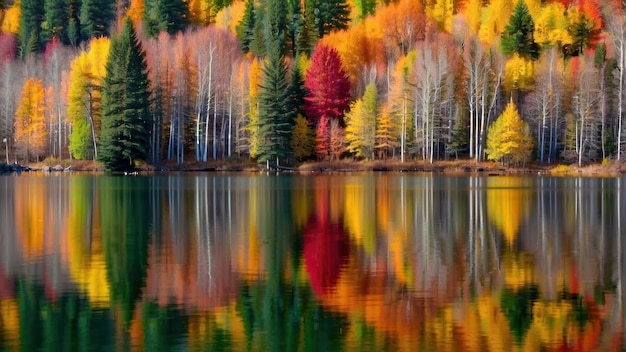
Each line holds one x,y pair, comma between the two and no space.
311,263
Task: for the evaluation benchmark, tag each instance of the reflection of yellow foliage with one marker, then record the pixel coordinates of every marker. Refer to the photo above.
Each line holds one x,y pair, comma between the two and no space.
552,321
360,214
30,212
518,269
9,324
86,260
493,324
507,204
200,327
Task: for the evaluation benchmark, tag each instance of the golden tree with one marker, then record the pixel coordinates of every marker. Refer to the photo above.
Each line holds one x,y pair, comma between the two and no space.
30,123
509,138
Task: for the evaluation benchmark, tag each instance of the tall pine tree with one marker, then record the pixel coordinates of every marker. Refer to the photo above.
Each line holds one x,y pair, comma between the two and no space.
275,116
171,16
56,20
31,17
518,35
125,125
95,18
245,28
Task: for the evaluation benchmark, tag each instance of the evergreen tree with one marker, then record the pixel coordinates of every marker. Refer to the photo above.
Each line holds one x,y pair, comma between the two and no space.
307,33
297,90
165,15
56,20
31,17
517,37
329,15
295,24
125,125
245,29
95,18
275,117
275,26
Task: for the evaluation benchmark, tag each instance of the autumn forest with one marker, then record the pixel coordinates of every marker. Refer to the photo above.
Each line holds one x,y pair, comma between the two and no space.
284,81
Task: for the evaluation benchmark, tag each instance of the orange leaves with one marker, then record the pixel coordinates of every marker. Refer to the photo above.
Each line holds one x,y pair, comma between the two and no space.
11,21
30,127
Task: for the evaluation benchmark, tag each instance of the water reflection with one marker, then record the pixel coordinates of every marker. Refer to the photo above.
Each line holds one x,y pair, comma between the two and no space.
324,262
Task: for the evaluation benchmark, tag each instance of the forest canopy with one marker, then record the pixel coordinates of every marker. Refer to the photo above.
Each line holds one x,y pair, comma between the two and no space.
282,81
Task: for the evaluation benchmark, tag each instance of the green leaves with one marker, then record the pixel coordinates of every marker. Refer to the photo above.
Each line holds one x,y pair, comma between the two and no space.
125,129
518,34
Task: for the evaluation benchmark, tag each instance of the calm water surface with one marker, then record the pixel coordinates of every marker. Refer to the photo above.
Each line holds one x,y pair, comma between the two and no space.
367,262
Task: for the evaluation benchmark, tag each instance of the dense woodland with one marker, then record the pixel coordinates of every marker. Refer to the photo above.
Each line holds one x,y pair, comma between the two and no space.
127,82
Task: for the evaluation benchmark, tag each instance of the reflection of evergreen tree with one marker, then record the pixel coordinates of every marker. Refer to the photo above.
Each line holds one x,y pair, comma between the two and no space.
66,324
164,327
517,306
275,313
126,222
29,303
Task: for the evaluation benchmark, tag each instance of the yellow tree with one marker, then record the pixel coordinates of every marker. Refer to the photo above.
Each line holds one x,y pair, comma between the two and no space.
135,11
551,26
509,138
255,77
30,126
11,19
87,72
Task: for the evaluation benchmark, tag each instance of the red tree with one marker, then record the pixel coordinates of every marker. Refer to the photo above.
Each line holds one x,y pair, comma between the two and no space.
328,95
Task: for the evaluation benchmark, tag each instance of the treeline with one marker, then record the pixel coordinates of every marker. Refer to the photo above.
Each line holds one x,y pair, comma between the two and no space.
124,82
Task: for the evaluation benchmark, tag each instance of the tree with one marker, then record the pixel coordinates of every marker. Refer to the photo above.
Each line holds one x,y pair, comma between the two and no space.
30,126
275,117
328,15
328,93
361,124
165,15
95,18
517,37
302,139
84,99
509,138
31,17
56,20
125,130
386,135
245,29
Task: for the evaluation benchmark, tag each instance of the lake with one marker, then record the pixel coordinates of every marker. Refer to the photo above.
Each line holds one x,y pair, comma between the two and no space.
340,262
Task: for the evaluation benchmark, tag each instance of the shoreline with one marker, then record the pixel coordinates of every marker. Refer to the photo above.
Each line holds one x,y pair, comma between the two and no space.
451,167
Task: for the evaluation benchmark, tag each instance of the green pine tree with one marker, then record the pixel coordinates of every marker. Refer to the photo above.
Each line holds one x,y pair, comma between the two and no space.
245,28
517,37
330,15
56,20
275,26
125,125
275,117
31,17
165,15
95,18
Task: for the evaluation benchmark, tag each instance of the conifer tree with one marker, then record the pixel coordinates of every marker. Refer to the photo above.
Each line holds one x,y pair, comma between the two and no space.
31,17
165,15
56,20
518,35
509,138
245,28
125,125
275,116
95,18
329,15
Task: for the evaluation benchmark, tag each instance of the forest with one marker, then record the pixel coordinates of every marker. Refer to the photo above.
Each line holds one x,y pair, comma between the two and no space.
285,81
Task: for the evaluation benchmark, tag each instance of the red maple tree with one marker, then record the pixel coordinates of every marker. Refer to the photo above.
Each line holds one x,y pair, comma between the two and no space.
328,95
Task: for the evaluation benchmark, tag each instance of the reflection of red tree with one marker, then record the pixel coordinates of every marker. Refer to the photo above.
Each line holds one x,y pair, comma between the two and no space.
326,249
6,285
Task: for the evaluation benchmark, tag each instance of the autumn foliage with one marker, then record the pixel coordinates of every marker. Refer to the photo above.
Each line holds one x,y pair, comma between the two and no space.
329,94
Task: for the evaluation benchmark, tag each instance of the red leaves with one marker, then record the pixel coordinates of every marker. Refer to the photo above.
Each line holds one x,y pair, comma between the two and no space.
328,91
